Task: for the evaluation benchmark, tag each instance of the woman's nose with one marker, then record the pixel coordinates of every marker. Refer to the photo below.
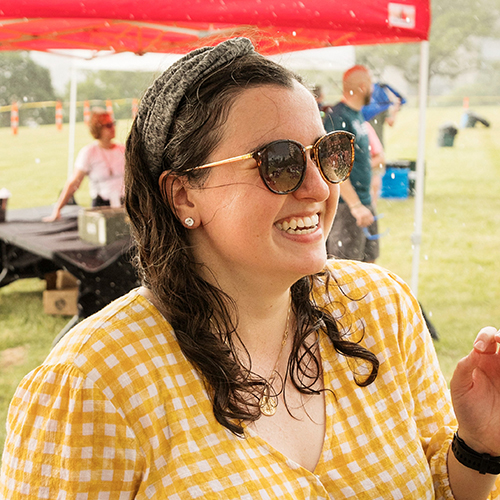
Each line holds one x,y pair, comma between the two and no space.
314,185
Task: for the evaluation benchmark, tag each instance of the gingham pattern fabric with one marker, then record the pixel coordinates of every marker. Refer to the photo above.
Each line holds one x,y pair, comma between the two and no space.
117,412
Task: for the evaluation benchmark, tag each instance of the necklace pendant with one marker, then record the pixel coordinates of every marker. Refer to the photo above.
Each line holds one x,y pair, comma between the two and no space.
268,404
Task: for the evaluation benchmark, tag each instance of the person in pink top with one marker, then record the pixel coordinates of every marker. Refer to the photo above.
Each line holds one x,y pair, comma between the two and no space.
378,163
103,161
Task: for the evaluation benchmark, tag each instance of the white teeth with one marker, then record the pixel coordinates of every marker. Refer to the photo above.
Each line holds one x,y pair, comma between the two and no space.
304,225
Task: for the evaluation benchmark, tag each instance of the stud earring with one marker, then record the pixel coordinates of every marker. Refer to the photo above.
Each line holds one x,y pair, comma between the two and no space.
189,222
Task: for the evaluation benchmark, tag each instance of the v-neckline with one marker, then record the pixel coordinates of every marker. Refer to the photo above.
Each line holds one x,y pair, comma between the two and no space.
327,437
324,345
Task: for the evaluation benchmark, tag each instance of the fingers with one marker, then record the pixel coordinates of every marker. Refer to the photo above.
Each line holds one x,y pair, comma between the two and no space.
487,340
363,216
367,221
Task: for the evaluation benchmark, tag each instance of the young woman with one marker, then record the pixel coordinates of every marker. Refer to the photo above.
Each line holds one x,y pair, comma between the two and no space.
103,161
248,366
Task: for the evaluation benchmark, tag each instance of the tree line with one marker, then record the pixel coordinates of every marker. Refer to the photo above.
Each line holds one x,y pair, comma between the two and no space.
459,30
23,80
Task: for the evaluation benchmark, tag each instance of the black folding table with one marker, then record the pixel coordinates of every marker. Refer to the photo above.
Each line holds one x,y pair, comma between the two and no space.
30,248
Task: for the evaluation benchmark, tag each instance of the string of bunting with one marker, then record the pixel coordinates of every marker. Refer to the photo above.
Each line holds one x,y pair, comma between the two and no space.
15,107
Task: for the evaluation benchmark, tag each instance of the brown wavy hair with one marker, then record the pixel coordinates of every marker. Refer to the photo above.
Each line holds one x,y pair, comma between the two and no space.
199,312
95,122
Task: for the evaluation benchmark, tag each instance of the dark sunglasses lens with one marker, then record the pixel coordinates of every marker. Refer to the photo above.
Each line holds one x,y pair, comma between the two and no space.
282,166
335,155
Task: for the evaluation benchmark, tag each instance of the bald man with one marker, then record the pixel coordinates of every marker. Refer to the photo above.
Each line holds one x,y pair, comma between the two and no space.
348,239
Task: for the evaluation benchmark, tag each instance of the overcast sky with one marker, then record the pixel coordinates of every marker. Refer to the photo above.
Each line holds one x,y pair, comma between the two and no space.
332,58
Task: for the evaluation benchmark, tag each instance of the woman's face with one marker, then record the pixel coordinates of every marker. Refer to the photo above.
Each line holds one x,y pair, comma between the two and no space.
240,235
108,129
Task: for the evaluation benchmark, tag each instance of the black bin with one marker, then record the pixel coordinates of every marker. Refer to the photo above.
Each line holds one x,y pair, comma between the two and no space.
473,118
447,133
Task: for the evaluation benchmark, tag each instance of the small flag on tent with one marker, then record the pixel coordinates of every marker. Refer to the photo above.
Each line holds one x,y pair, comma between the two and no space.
134,107
59,115
14,118
109,108
86,112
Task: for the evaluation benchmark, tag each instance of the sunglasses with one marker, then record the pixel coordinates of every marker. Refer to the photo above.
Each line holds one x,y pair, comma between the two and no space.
109,125
282,164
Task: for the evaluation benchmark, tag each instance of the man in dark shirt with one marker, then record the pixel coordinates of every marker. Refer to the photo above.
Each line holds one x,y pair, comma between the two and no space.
348,239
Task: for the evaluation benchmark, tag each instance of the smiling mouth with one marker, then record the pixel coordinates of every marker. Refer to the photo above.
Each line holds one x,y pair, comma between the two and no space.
303,225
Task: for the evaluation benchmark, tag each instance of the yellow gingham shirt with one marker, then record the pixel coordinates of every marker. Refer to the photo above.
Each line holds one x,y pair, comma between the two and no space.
117,412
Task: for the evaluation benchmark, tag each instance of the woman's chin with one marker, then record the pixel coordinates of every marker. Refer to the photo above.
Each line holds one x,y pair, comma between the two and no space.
312,264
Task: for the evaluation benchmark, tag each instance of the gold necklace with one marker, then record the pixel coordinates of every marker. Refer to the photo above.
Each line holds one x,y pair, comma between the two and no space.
268,402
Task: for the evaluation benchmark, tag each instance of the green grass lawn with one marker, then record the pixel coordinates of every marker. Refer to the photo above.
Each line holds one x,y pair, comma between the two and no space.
34,163
459,285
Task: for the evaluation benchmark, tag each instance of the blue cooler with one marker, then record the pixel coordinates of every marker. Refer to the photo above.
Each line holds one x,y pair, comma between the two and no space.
395,183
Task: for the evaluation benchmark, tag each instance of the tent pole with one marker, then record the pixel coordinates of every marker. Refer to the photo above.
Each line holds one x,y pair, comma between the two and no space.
72,120
416,237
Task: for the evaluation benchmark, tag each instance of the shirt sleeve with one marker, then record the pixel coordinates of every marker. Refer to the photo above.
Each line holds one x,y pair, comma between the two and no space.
83,159
65,440
375,145
433,410
335,121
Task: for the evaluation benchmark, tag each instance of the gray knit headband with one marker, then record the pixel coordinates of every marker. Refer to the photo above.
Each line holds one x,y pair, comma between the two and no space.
160,102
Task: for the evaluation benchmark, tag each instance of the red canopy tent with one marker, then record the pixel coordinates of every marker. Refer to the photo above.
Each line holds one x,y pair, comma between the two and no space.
141,26
173,26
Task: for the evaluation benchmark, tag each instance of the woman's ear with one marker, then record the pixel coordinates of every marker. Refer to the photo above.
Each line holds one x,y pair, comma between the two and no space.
176,191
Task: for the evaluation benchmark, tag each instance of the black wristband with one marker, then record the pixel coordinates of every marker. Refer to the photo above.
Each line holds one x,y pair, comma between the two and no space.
482,462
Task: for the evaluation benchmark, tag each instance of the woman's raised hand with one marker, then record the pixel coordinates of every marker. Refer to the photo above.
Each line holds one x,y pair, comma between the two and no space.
475,391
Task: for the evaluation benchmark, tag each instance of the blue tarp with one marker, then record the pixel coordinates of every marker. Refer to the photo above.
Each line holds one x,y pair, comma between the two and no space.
380,100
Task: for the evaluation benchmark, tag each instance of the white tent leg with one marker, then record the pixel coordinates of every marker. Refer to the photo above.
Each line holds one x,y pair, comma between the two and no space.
72,121
420,168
